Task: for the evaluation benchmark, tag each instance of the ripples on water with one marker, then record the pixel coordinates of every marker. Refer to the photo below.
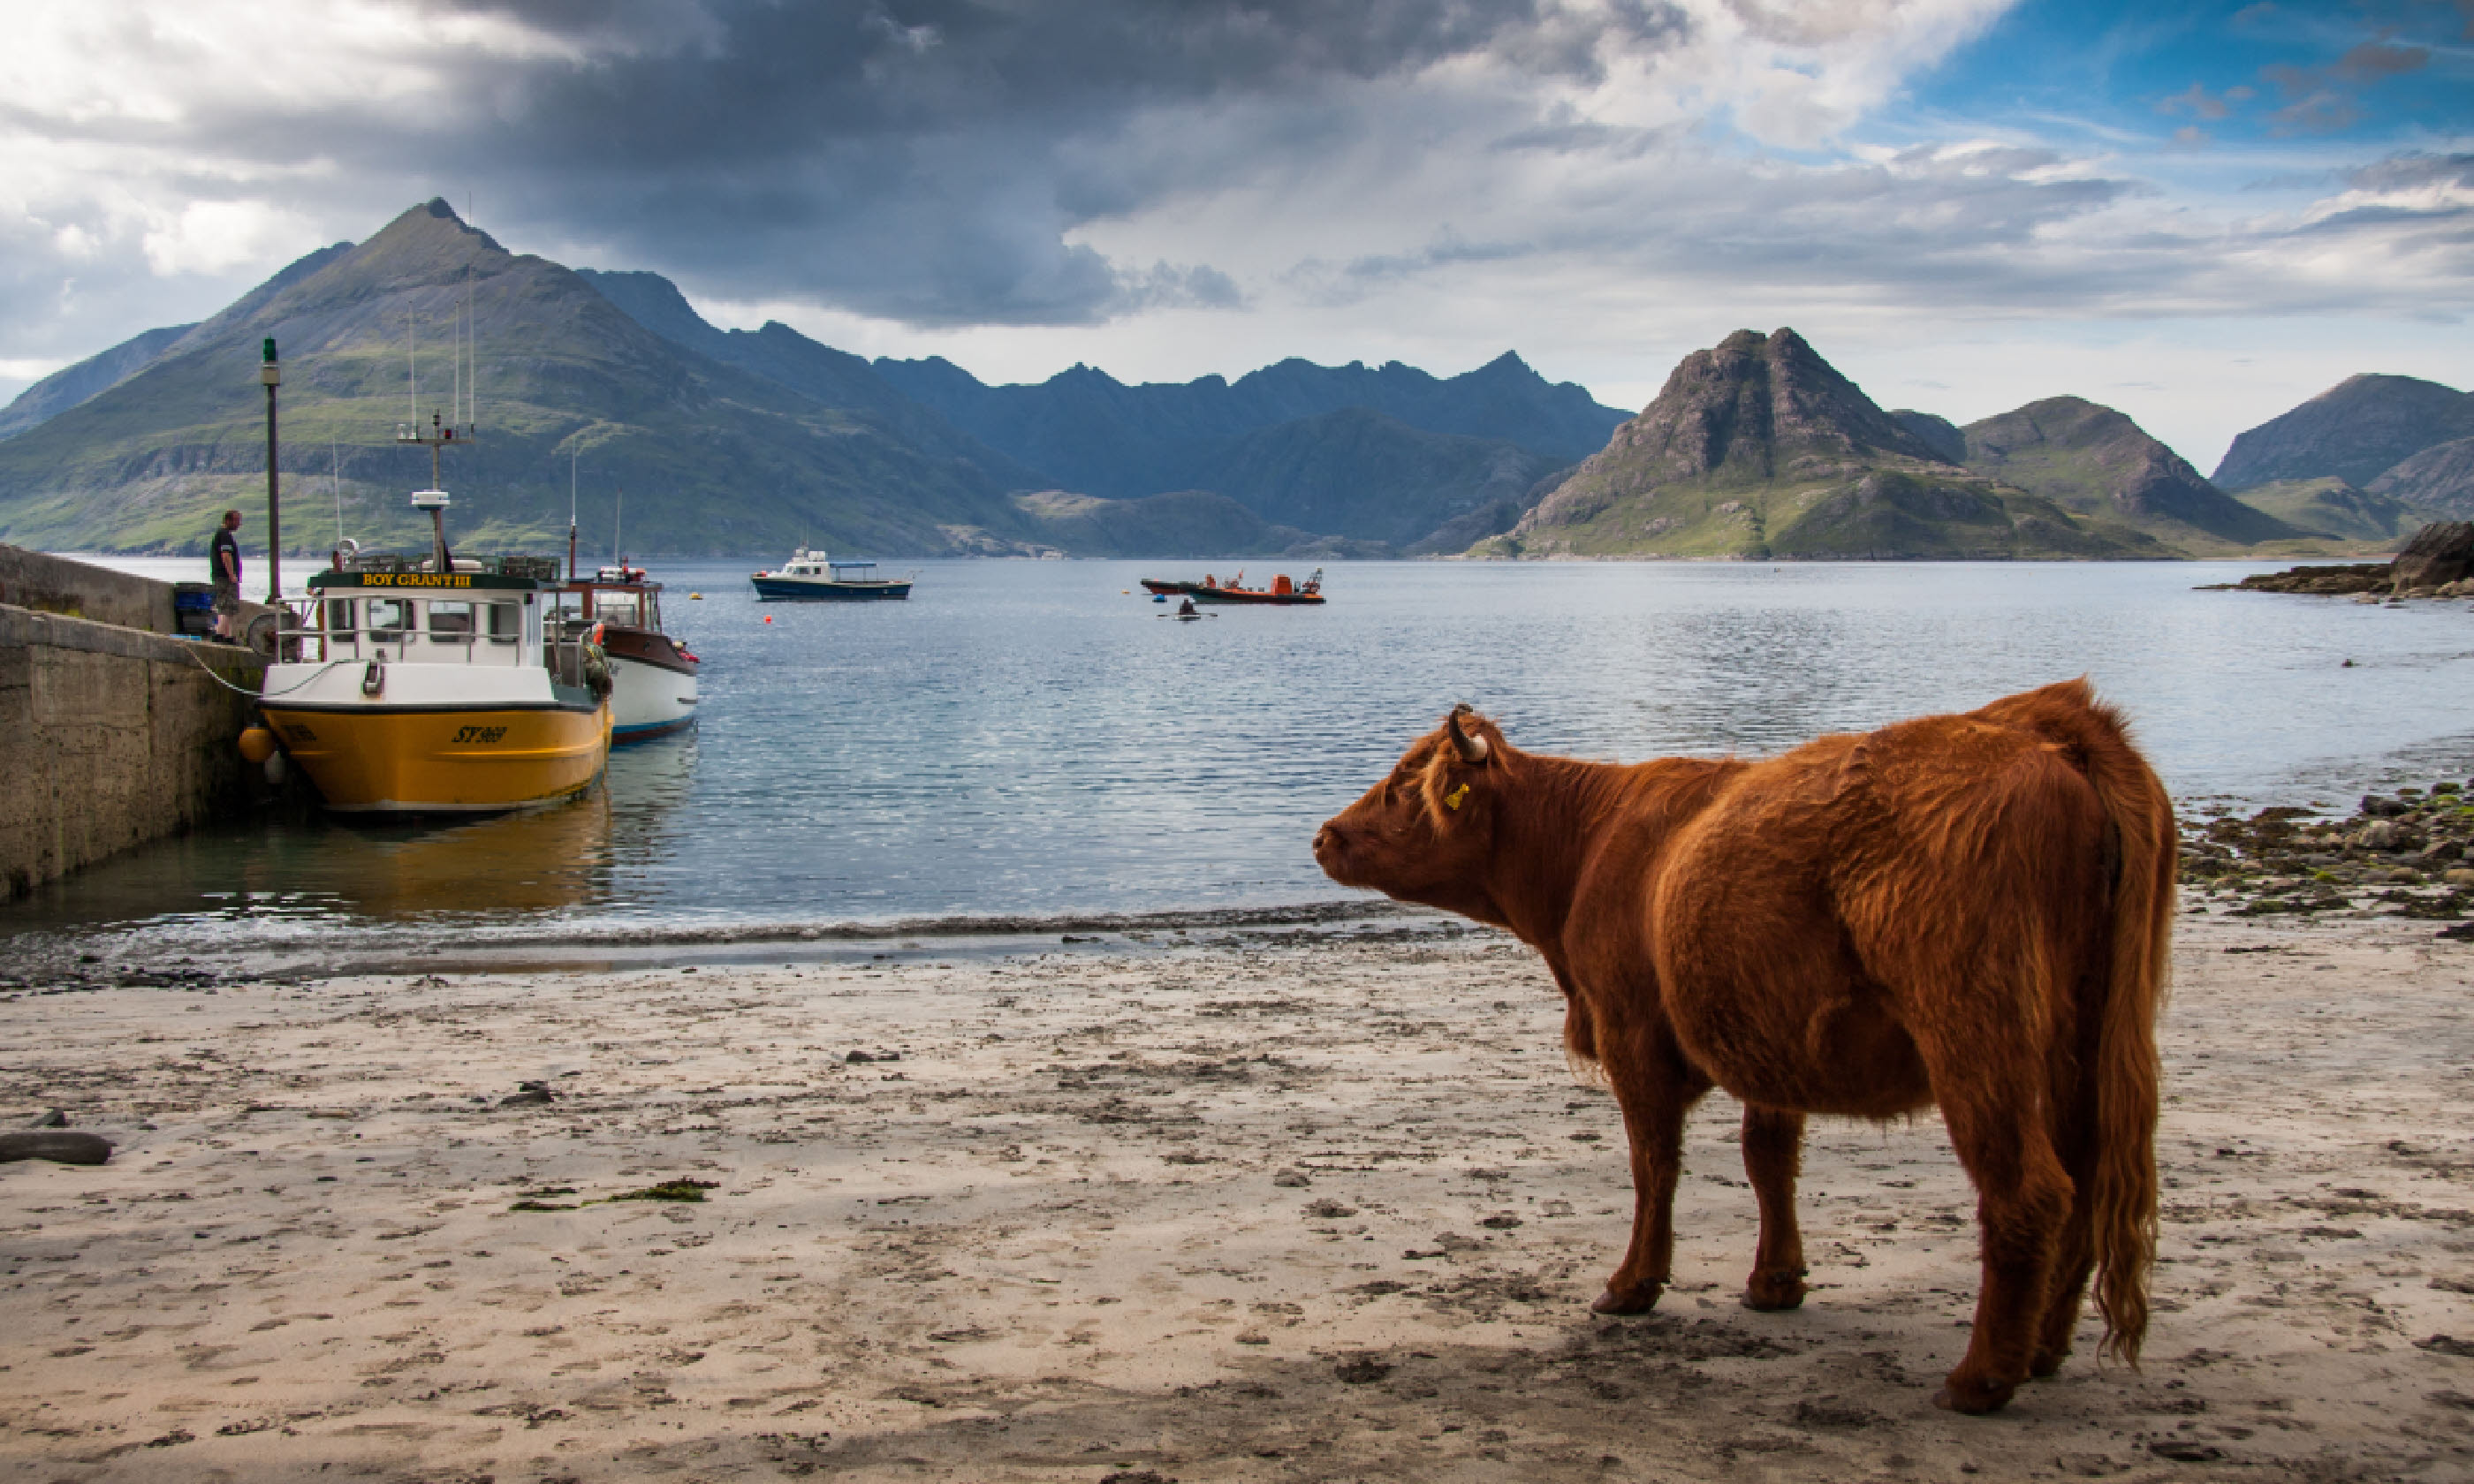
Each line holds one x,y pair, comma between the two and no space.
1025,737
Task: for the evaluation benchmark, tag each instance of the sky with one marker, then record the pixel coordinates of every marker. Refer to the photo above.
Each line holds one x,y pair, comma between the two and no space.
2201,214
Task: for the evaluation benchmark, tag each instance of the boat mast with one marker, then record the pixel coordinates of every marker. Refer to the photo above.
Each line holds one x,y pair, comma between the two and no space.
571,514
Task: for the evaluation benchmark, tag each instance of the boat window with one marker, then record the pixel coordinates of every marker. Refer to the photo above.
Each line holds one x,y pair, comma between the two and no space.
506,622
652,611
337,620
563,615
389,618
449,622
619,607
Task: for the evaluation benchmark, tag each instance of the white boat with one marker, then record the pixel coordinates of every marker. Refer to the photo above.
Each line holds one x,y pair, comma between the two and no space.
812,576
653,676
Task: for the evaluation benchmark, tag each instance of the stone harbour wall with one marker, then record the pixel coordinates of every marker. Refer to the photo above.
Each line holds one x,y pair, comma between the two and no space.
75,589
117,735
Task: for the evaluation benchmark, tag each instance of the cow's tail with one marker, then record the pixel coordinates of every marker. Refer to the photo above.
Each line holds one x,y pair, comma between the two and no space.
2123,1080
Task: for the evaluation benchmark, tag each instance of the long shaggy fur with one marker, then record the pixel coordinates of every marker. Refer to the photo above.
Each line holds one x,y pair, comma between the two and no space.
1971,912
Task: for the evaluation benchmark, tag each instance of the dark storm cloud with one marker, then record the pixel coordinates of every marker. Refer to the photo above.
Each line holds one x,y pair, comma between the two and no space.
925,160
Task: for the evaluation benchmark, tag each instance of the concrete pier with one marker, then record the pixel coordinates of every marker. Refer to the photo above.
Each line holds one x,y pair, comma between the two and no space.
120,733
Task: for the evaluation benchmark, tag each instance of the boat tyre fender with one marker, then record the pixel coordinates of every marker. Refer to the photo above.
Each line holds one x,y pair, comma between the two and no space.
58,1145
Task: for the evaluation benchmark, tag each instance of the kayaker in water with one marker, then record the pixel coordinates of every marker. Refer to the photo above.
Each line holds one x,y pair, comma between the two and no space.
1185,610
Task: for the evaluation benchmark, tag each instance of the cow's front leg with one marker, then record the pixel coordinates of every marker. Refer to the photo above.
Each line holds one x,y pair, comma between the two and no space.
1773,1142
1654,1090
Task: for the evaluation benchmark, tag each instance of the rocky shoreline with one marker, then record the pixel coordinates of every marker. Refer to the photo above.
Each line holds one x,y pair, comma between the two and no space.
2404,854
2439,563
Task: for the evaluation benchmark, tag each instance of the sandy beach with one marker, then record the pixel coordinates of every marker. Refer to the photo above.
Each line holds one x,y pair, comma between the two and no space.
1227,1205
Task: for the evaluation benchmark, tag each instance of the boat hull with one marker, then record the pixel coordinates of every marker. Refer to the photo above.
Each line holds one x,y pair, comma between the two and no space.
1202,593
443,759
1241,596
652,686
798,590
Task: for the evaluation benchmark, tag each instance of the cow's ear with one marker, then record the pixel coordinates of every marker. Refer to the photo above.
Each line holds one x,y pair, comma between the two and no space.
1472,747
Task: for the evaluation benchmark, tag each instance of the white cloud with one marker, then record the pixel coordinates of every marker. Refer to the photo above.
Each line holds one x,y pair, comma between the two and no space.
218,236
1600,185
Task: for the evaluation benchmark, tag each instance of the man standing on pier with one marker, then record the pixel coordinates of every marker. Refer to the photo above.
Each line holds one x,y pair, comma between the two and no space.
224,557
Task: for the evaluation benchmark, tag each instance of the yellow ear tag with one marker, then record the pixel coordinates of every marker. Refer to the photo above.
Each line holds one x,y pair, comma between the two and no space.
1454,798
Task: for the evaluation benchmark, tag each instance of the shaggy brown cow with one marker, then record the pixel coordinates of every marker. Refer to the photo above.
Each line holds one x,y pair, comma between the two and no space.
1963,911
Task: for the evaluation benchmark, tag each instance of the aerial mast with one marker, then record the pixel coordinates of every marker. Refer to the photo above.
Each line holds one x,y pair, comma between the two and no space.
435,438
270,373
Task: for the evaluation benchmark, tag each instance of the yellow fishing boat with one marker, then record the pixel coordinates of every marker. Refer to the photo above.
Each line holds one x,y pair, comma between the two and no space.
438,692
440,687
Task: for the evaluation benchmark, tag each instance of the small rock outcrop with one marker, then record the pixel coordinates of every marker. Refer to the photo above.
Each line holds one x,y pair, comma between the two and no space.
2439,563
2440,554
2333,582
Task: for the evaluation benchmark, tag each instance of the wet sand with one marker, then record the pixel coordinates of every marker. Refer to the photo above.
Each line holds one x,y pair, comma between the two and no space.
1265,1206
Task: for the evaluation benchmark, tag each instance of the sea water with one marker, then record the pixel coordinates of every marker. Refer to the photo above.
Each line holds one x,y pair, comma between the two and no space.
1038,738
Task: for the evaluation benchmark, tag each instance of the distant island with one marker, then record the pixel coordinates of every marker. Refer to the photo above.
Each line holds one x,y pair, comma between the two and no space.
739,441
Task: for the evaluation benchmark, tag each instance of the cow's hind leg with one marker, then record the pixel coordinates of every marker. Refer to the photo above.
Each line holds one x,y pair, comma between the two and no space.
1773,1142
2022,1203
1655,1087
2075,1253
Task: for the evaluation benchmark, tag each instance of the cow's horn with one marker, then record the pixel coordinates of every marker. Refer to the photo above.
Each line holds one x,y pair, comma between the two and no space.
1473,749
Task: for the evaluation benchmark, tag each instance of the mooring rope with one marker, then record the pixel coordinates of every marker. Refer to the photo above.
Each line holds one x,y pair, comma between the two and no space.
260,695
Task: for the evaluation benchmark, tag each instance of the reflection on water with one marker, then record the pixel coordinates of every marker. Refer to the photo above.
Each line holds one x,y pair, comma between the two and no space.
290,874
1026,738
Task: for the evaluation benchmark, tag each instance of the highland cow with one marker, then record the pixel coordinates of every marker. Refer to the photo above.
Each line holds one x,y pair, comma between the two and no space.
1968,912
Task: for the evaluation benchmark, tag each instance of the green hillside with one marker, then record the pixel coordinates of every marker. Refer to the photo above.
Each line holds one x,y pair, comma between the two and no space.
2097,464
2331,507
1180,523
709,459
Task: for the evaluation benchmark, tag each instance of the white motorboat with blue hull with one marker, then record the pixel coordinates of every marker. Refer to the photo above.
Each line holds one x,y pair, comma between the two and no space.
811,576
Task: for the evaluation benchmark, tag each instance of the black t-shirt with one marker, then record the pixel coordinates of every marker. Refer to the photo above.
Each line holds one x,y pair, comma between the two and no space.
224,542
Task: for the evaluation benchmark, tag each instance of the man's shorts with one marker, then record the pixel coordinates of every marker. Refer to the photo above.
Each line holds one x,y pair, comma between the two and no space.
227,597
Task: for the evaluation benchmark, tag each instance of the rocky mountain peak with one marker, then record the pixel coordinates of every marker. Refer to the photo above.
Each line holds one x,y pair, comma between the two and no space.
1757,406
2355,431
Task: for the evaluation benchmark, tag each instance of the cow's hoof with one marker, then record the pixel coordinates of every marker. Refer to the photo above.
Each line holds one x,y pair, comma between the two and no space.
1626,1301
1782,1289
1971,1401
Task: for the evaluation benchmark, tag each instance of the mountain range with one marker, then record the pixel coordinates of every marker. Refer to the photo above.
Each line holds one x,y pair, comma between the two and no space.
1757,447
2369,442
687,438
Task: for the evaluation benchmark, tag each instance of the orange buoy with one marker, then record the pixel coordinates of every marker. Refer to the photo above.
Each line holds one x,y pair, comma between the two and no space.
768,618
256,744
